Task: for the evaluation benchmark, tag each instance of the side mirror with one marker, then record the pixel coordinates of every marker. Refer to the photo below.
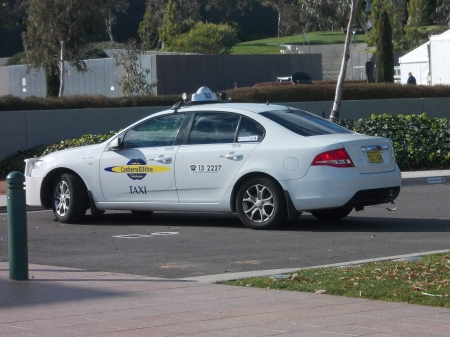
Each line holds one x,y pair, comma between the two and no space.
115,144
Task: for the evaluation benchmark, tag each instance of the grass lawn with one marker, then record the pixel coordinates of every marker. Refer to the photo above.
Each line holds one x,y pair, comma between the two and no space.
425,281
272,45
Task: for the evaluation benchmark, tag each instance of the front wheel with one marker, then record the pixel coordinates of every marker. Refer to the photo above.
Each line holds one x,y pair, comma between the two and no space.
332,214
69,198
260,204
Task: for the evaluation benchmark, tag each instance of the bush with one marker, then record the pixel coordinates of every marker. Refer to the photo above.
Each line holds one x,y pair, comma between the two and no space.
281,92
207,38
15,162
274,91
16,59
13,103
419,142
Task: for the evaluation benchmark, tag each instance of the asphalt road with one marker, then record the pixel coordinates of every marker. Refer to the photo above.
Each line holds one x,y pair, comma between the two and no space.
190,245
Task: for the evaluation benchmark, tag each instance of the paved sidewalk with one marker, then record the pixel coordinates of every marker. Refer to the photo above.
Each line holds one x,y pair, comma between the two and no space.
59,302
69,302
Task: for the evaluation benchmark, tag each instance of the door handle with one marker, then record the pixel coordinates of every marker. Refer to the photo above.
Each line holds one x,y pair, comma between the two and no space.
164,160
234,156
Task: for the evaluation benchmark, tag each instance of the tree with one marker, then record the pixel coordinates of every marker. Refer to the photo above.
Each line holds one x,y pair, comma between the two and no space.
442,12
169,29
334,116
282,7
419,16
226,7
11,13
58,31
396,10
325,14
207,38
110,10
135,82
419,13
187,12
385,50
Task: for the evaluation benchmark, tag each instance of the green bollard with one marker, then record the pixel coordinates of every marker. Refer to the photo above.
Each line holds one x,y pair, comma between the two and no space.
17,227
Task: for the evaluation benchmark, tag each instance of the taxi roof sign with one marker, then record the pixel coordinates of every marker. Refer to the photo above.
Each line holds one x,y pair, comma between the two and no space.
204,94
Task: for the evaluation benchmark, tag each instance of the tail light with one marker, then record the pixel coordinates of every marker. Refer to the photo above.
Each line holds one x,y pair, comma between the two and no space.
335,158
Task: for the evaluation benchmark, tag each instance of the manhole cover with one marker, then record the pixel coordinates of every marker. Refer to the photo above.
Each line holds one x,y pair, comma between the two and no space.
131,236
409,258
165,233
280,277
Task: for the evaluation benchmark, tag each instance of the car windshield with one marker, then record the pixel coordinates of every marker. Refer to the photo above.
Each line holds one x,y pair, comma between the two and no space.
304,123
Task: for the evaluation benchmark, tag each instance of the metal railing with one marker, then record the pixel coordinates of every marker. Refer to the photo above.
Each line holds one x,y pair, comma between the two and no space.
305,38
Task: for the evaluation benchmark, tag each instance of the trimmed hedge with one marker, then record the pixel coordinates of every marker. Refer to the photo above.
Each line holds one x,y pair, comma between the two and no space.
326,92
15,162
419,142
13,103
272,92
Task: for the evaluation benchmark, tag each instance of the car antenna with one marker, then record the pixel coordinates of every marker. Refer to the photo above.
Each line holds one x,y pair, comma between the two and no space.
178,105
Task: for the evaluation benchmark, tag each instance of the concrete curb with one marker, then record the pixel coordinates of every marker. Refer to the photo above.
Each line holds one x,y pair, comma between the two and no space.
259,273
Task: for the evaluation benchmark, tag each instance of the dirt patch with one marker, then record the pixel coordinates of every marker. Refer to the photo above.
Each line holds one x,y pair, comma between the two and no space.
2,185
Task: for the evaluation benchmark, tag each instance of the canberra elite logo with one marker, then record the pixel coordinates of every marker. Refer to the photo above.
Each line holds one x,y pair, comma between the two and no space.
137,169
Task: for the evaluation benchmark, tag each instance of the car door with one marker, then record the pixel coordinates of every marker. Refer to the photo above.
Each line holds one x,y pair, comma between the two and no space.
212,153
142,168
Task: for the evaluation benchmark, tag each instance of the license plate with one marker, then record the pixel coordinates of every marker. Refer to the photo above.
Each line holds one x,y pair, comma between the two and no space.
375,157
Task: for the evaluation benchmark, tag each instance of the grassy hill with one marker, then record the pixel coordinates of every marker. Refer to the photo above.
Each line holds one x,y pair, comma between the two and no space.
272,45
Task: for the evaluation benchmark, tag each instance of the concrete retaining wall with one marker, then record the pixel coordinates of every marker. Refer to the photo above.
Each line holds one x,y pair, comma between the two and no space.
21,130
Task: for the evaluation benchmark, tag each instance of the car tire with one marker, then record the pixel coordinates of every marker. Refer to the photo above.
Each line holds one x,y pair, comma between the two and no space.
260,203
142,213
69,198
332,214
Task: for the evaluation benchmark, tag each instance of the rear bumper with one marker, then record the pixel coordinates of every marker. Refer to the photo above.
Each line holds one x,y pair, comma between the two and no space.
374,197
327,187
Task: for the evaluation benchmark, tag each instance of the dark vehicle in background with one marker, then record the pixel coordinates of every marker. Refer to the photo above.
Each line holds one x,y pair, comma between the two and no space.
296,78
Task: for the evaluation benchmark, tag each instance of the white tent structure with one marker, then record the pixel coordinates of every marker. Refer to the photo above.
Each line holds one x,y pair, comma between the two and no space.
429,62
416,62
439,58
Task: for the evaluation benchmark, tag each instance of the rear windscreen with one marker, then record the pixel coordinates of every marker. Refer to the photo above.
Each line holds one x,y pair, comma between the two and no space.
304,123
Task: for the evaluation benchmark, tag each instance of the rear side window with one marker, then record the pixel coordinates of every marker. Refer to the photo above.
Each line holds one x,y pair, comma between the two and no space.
213,128
223,128
304,123
250,131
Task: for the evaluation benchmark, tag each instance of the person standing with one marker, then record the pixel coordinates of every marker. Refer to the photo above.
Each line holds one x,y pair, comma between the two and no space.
370,69
411,79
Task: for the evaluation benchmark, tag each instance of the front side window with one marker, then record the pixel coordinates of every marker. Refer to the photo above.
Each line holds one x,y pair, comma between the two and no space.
304,123
159,131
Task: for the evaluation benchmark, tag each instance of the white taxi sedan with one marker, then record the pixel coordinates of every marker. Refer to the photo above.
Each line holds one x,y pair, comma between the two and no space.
264,162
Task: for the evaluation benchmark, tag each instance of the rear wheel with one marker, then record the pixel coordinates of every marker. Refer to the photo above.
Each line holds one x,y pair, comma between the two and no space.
69,198
260,204
332,214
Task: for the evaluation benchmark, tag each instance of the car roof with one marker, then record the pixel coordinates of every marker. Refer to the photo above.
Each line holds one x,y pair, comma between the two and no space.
251,107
